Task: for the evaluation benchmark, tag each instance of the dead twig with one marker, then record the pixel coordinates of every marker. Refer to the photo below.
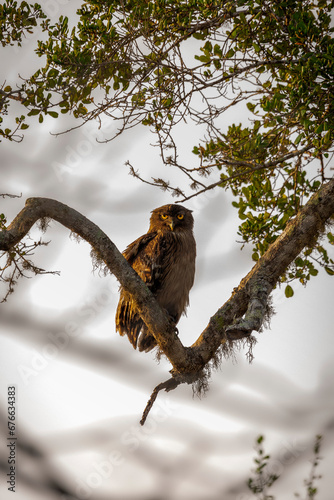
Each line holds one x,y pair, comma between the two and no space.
11,195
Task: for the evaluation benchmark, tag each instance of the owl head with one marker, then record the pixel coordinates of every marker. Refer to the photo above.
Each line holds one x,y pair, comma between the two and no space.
171,218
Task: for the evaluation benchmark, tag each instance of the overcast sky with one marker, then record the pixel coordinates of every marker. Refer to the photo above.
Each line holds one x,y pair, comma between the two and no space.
81,388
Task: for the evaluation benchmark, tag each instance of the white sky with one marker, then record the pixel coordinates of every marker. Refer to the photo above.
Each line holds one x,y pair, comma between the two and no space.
82,388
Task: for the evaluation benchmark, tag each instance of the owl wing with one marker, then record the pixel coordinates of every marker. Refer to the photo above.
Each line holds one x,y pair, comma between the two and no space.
128,321
133,250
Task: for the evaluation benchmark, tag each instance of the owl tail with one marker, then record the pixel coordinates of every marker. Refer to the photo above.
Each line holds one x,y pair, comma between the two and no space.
146,341
128,320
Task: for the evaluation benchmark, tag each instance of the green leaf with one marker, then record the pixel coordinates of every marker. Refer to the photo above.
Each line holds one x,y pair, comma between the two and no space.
288,291
299,138
203,59
208,46
327,138
330,237
229,54
320,128
199,36
217,50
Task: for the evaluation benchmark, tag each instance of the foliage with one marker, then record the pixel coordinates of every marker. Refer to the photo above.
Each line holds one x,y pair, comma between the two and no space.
16,20
263,478
311,488
158,63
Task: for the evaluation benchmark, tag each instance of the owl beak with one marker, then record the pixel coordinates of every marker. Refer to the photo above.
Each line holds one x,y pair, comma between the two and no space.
171,224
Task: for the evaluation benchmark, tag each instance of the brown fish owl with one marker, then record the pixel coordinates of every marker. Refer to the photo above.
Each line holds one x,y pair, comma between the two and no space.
164,258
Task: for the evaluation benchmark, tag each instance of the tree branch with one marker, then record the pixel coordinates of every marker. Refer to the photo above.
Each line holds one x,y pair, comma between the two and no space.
6,195
299,233
258,310
250,298
252,166
168,385
154,317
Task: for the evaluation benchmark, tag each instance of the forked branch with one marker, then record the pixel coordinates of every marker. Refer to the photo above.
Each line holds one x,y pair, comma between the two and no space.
243,312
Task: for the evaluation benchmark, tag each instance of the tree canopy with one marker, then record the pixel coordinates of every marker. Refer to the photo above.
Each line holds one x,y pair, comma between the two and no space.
161,63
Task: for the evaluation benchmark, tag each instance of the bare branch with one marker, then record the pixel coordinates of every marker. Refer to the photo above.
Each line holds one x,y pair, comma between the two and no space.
6,195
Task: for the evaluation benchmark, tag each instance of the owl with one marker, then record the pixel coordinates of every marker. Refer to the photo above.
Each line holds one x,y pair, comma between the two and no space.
164,258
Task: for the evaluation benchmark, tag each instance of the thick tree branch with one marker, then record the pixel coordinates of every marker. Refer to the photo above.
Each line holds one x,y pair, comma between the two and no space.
256,312
154,317
250,298
301,232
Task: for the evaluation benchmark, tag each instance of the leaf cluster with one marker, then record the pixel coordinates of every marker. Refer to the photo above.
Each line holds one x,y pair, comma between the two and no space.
263,479
16,20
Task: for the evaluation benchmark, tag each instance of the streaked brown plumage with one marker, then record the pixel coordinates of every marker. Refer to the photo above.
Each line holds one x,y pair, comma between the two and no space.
164,258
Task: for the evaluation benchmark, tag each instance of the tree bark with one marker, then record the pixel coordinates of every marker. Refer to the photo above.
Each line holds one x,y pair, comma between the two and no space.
244,310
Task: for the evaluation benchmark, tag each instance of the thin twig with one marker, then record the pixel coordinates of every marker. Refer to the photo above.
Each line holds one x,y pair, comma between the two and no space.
10,195
252,168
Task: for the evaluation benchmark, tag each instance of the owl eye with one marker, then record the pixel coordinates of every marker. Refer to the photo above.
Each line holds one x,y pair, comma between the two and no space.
180,216
164,216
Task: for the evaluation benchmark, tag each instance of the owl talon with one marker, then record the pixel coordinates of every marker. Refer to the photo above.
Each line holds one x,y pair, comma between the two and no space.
172,319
